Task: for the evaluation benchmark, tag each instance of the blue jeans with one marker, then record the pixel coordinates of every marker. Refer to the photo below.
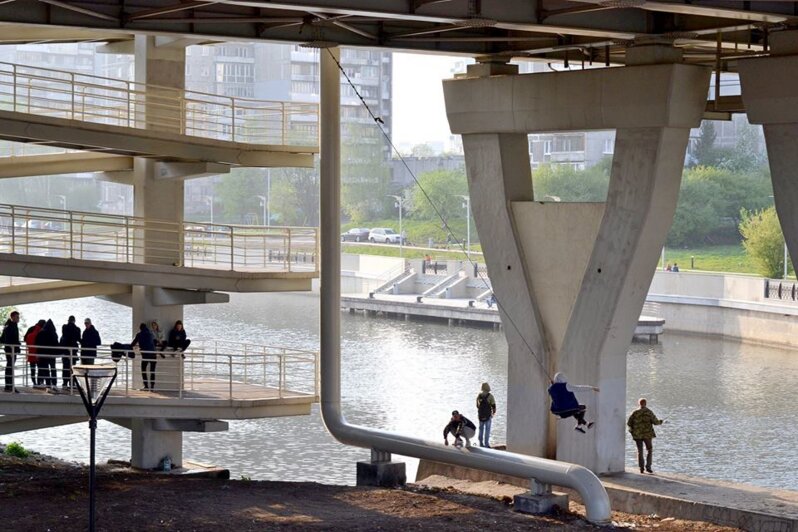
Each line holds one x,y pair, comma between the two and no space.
484,432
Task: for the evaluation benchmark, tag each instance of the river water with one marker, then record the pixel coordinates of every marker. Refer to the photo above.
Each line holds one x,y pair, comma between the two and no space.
727,404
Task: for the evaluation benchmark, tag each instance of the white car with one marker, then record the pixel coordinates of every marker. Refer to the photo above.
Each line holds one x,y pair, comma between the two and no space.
384,235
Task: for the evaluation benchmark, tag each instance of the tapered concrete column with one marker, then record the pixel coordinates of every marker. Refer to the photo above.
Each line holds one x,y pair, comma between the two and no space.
770,94
571,278
157,198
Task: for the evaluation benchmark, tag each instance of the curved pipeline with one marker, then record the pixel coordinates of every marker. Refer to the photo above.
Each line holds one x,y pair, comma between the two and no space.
576,477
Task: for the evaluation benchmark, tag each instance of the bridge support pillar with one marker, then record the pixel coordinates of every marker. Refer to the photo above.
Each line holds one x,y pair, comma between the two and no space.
149,446
770,94
571,278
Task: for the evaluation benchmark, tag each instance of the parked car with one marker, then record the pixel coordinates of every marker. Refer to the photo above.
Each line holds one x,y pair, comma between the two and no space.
357,234
384,235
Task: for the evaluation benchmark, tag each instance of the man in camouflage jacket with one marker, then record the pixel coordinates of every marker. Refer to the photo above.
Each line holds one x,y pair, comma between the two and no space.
641,427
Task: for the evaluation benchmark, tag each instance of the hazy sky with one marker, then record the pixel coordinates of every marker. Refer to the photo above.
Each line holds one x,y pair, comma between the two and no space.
419,114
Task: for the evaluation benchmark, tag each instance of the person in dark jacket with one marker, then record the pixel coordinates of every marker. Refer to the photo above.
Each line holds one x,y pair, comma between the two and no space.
460,427
564,403
177,338
146,343
34,364
70,339
10,340
47,341
89,342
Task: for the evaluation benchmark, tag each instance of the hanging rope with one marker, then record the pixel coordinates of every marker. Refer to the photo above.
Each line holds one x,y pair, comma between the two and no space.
380,123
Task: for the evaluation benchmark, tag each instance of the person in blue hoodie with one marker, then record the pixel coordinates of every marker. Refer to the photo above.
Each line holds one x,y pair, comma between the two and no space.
146,343
565,404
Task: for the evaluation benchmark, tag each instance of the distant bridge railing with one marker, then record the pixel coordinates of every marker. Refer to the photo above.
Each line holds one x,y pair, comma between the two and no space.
215,371
95,99
135,240
781,290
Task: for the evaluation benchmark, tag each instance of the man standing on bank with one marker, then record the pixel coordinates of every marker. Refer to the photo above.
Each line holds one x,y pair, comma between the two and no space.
486,409
641,427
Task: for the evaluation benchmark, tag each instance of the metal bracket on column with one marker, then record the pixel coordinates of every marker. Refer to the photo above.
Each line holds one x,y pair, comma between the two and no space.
380,456
539,488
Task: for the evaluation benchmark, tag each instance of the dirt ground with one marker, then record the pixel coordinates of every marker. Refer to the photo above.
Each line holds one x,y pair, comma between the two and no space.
43,494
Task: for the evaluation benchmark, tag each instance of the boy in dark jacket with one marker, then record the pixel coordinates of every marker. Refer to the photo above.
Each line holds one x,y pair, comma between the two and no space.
146,343
460,427
89,342
565,404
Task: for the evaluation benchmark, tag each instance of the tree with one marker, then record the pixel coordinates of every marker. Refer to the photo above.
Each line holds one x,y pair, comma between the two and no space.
239,193
295,196
444,188
365,175
763,240
572,185
704,153
422,150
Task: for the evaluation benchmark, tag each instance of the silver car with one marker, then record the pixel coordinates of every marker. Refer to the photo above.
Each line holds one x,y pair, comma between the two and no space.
384,235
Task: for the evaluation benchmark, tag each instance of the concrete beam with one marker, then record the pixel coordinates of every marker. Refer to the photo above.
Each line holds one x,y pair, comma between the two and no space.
63,163
57,290
607,98
154,275
170,296
190,425
121,178
188,170
14,424
89,136
125,47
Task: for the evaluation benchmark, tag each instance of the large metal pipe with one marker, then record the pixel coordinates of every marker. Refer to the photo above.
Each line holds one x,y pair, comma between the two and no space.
572,476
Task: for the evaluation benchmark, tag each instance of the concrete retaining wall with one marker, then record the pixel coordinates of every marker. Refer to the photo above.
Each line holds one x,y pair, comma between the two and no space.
728,305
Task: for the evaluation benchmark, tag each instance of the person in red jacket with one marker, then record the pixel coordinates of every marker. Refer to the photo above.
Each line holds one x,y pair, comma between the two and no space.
33,360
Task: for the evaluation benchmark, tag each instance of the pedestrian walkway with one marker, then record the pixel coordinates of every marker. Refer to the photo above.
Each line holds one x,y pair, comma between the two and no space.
212,380
82,246
93,113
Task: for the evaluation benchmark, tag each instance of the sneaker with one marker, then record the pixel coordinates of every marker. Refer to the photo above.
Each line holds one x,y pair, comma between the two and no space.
648,470
590,424
642,470
580,429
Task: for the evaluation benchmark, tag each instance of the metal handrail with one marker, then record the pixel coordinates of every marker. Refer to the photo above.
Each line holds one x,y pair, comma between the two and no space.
135,240
278,371
96,99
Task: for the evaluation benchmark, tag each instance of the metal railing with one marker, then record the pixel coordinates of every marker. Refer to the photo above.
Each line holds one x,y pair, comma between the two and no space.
781,290
95,99
225,371
133,240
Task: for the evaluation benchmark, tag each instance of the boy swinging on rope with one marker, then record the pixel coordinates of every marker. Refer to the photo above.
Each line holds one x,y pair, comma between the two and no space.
565,404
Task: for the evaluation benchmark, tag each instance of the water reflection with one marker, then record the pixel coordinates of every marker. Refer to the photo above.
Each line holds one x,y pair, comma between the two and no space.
719,397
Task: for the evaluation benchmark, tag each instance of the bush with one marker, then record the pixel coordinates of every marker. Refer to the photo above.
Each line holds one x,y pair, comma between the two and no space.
763,240
17,450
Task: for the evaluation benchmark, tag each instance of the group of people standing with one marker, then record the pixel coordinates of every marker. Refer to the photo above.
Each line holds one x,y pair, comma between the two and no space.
45,347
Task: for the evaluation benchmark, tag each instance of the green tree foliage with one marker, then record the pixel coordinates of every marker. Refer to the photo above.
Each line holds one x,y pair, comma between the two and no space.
444,188
710,200
295,196
704,152
42,191
365,174
570,184
238,194
763,240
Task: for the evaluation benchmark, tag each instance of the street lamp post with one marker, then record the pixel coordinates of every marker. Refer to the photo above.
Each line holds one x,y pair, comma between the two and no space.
209,201
467,207
263,204
399,203
94,383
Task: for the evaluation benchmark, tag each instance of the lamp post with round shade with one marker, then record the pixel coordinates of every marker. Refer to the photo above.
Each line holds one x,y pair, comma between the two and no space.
94,383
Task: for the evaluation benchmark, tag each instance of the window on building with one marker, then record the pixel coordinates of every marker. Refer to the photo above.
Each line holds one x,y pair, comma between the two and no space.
547,147
235,73
609,146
